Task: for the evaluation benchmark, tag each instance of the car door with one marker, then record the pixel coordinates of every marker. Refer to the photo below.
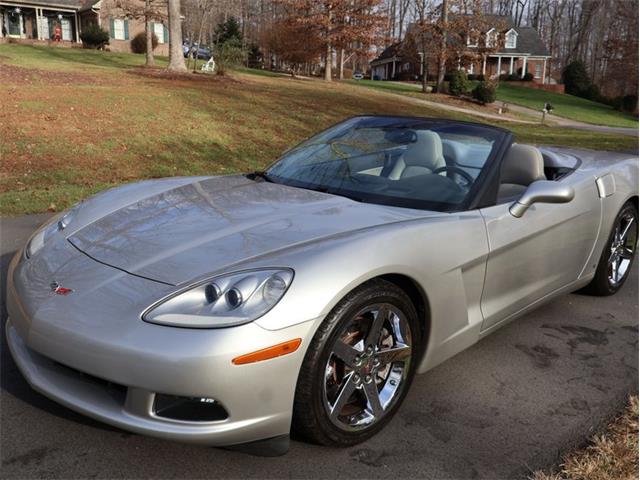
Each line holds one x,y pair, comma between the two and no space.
544,250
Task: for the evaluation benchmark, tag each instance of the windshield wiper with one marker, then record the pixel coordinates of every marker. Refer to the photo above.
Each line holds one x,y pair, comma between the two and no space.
260,174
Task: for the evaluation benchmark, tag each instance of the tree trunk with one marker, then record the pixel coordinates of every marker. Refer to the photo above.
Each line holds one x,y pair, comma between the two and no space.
327,63
425,74
149,60
442,59
341,60
176,57
195,60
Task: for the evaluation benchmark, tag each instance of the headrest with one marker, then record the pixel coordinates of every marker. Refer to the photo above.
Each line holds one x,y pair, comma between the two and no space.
522,165
426,151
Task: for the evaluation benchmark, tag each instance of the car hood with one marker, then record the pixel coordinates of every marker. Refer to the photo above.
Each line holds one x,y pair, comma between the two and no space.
203,227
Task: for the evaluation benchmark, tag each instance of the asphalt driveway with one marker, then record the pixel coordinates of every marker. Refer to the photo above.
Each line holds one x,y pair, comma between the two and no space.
512,403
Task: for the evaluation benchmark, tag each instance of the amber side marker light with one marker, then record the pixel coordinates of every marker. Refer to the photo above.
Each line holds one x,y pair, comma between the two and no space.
269,352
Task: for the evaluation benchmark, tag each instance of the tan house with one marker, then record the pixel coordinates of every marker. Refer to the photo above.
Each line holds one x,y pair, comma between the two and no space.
38,19
523,52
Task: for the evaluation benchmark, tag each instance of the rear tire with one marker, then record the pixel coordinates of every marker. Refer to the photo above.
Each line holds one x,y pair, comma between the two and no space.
617,257
359,366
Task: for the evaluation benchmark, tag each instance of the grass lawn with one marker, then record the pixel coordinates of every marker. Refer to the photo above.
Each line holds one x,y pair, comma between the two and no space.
415,90
567,106
611,455
396,87
74,121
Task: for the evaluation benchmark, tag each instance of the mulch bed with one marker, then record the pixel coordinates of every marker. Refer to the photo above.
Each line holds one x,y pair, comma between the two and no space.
163,74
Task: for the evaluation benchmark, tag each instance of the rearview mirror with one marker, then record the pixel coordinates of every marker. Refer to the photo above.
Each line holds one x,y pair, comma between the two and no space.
542,191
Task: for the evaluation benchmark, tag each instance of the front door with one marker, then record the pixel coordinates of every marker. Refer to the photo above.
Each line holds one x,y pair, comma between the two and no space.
66,29
14,22
532,256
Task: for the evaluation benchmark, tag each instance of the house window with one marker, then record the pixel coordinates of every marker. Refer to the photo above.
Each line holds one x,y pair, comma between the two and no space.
538,72
158,29
118,29
407,67
472,39
511,39
492,38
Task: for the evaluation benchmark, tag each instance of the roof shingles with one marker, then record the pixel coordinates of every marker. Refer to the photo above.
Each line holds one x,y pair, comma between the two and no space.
75,4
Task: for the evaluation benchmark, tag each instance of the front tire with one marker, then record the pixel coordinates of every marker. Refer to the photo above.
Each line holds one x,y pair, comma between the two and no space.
617,258
358,367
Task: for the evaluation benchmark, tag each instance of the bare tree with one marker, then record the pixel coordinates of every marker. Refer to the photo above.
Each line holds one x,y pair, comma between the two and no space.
338,24
152,11
176,57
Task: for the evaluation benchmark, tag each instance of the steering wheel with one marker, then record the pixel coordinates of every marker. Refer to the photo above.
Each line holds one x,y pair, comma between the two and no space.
457,170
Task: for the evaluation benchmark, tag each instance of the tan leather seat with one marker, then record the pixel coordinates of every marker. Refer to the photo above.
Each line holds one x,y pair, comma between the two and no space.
422,156
522,166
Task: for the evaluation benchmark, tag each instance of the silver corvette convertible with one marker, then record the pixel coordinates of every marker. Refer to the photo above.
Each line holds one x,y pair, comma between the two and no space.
234,310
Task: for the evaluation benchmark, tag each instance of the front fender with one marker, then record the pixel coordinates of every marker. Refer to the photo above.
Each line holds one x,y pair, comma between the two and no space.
444,255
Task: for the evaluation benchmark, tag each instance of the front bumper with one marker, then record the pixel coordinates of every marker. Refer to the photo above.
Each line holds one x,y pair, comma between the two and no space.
113,375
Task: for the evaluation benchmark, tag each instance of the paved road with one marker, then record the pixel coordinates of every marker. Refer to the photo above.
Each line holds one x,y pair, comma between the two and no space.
568,123
551,119
512,403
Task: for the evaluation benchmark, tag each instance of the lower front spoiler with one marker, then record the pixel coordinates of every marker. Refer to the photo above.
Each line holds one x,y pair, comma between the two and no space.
129,408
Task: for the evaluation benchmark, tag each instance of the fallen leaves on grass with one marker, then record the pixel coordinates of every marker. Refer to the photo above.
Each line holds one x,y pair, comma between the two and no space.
14,74
612,455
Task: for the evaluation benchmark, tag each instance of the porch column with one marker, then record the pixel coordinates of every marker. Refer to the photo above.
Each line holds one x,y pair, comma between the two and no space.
499,65
484,65
524,66
511,67
393,69
544,70
41,21
37,23
75,18
44,22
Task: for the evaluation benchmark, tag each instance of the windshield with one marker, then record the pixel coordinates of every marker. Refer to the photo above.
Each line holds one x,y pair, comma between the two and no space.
415,163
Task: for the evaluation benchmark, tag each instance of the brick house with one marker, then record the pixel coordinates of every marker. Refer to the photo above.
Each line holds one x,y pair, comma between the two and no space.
523,51
37,19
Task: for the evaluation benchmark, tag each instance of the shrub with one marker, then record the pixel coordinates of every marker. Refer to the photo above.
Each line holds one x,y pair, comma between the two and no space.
93,36
514,77
255,57
575,78
485,92
591,92
528,77
139,42
228,54
480,77
472,77
459,83
615,102
629,103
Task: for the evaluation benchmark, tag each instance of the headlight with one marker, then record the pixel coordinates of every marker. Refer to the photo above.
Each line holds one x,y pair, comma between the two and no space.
223,301
56,224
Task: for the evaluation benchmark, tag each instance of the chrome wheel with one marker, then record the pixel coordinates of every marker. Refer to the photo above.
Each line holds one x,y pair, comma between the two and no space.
368,367
622,248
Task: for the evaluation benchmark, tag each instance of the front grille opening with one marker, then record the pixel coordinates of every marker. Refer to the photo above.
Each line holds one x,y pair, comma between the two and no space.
114,390
189,409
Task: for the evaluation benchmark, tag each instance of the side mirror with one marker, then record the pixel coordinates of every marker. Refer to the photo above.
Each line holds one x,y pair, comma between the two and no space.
542,191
